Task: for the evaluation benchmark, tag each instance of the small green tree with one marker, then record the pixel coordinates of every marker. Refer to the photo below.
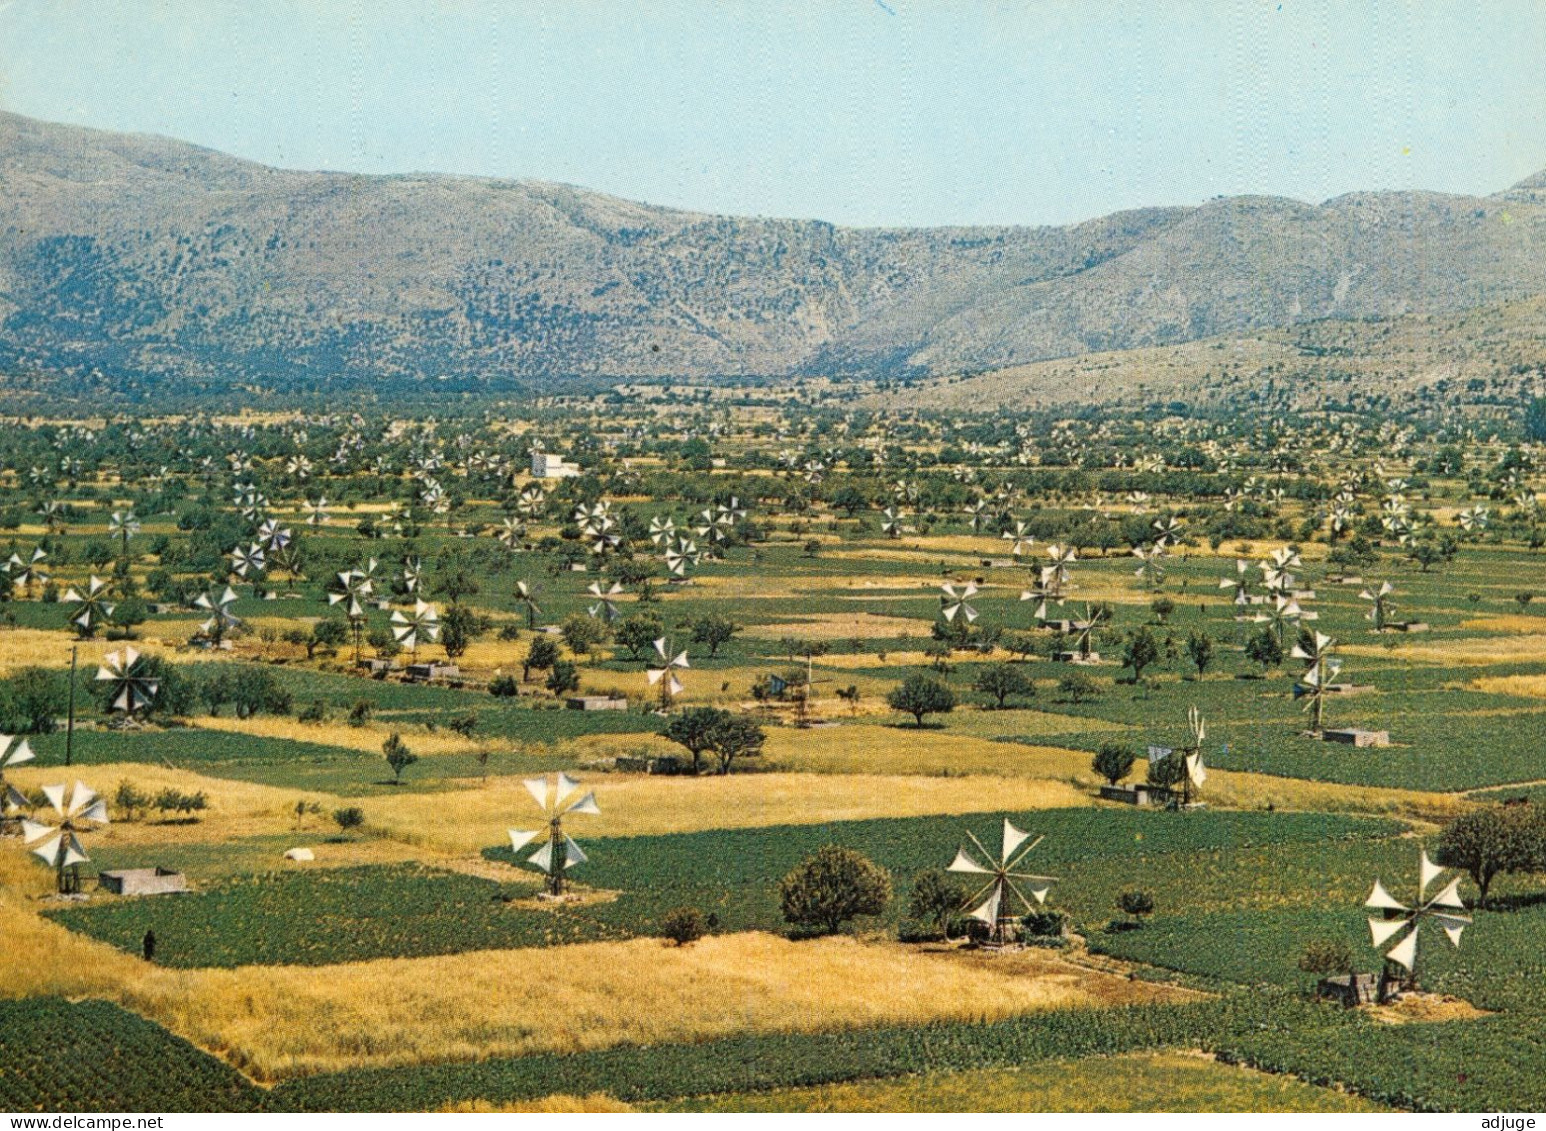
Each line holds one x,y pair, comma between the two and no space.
1264,648
1077,687
1001,681
327,635
398,756
1326,957
1497,839
352,817
683,925
637,633
1114,761
582,633
563,677
736,737
1199,649
1162,607
1136,904
541,655
713,632
131,799
935,897
921,695
1141,650
832,886
694,730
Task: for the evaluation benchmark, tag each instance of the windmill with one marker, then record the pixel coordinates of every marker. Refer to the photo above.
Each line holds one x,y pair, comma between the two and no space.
1240,583
1042,590
680,554
1473,519
1060,558
1403,924
527,596
976,515
12,800
1019,541
1381,604
131,689
409,628
558,853
123,526
1084,630
1151,568
26,574
1319,677
529,503
351,588
662,530
605,606
221,619
92,607
1283,612
664,676
512,534
891,524
79,813
252,561
1190,773
953,603
316,511
990,903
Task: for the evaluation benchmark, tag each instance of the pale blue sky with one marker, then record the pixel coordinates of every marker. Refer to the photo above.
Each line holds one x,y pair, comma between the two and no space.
854,111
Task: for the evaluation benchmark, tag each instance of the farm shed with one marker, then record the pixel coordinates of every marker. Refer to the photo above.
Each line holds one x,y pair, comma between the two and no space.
432,670
1354,737
143,881
596,703
1133,794
1349,989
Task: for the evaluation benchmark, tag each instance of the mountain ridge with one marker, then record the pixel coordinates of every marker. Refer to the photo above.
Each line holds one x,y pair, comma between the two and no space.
150,261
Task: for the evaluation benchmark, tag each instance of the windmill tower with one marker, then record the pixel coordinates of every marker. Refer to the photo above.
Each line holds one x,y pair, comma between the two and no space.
993,904
1399,925
421,624
1319,677
664,674
79,813
1380,605
558,853
131,689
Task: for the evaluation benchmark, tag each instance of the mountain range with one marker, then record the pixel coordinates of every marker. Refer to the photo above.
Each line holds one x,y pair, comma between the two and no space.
138,262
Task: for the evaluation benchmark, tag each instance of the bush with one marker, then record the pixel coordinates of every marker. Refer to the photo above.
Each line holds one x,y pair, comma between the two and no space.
827,889
1326,957
683,925
936,896
351,817
360,713
1114,761
1136,904
563,678
1046,923
504,687
313,712
1076,687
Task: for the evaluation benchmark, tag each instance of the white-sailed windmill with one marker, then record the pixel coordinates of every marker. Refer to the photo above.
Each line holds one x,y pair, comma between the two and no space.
527,596
1190,773
12,800
1019,541
663,675
891,522
1380,604
221,617
92,607
955,602
130,689
1319,676
409,629
558,853
79,812
992,903
1240,583
123,525
1399,925
606,600
316,511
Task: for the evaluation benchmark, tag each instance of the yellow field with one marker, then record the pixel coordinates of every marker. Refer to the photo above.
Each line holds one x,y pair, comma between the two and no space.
842,626
1526,686
265,1020
1134,1082
367,739
639,805
1529,647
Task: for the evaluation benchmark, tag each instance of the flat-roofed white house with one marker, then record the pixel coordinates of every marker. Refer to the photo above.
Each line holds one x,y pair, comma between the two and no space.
546,465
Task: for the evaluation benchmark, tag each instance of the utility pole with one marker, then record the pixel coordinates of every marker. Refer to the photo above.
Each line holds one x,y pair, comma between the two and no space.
69,726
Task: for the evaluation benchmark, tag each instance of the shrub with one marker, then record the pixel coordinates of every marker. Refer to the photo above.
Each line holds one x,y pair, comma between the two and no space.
348,818
1326,957
1046,923
504,687
683,925
936,896
1114,761
360,713
1136,903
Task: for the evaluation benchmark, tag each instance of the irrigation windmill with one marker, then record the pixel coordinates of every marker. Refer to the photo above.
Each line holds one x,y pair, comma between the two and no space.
1190,773
606,604
1151,568
1319,676
123,525
1380,604
252,561
221,617
352,588
1240,583
976,515
991,904
25,574
1060,558
891,522
680,554
1282,613
1042,590
530,502
1403,923
525,595
130,688
953,602
92,607
1473,519
316,511
558,853
512,534
1084,631
1019,541
12,800
664,675
662,530
423,623
78,813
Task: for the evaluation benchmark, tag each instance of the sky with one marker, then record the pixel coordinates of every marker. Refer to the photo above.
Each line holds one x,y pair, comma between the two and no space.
863,112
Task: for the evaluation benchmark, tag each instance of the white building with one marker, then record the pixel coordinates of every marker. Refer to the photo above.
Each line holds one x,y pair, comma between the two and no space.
546,465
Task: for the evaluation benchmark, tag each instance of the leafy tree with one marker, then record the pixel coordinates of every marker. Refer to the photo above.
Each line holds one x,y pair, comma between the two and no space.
541,655
503,687
1535,419
563,677
637,633
1114,761
736,737
459,628
1162,607
1167,773
1135,903
1264,648
1021,644
1077,687
398,756
831,887
582,633
32,698
360,712
129,614
463,724
327,635
351,817
1494,840
921,695
1001,681
694,729
130,799
713,631
1141,650
1199,649
455,582
936,896
683,925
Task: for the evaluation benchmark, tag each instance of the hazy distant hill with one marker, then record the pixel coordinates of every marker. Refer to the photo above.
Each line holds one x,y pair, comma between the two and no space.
155,260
